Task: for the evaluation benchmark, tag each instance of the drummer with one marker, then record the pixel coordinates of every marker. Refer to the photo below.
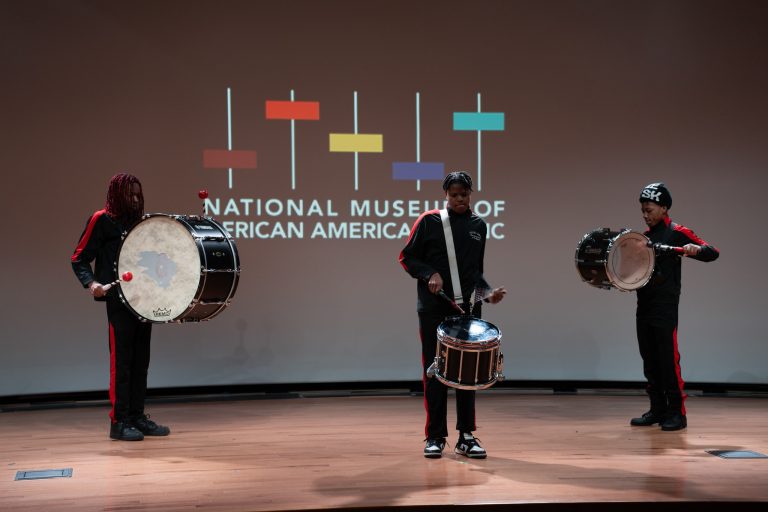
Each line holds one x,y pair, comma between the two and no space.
128,337
425,257
657,307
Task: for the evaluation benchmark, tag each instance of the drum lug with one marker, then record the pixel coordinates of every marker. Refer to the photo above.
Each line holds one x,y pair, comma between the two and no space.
500,367
432,369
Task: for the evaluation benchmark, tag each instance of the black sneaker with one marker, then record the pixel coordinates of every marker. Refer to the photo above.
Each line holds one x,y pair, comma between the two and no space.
674,421
434,448
149,427
122,431
647,419
469,446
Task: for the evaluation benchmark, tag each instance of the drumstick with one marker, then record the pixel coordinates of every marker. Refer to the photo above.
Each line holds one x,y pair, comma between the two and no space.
442,294
127,276
661,248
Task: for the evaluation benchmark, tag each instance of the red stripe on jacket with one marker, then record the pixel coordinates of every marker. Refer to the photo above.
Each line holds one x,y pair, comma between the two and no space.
87,234
413,230
693,236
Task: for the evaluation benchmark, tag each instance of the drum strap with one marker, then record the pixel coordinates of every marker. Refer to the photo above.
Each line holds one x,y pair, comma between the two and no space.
455,281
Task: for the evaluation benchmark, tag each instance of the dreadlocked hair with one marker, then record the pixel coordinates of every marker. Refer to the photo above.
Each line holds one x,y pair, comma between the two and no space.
119,204
459,177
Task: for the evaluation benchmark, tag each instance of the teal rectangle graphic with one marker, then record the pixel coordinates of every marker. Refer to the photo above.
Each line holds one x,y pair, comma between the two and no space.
478,121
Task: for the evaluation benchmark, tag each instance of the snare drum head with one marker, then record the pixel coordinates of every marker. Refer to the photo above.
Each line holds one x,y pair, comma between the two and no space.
630,261
468,330
164,259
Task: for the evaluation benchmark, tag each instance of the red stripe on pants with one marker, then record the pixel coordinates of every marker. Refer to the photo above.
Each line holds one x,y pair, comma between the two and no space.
679,374
112,372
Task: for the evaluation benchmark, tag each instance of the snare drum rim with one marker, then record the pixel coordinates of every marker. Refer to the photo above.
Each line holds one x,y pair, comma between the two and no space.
461,343
614,279
470,346
456,385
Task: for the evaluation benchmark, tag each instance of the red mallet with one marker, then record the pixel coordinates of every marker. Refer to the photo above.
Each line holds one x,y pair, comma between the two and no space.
203,194
126,276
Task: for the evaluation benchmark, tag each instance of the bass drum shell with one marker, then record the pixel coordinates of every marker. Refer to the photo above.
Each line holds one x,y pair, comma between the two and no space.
185,268
615,259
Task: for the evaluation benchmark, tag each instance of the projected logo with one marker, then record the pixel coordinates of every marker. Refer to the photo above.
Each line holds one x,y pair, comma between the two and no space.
360,218
354,142
294,111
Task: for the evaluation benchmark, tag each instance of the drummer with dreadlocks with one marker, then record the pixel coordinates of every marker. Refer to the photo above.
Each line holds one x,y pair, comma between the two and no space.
129,338
426,258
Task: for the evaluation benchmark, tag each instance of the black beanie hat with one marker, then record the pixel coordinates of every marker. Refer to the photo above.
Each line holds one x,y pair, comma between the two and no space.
656,193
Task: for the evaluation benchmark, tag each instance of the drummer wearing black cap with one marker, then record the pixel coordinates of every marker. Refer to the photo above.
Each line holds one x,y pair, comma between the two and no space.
657,307
425,257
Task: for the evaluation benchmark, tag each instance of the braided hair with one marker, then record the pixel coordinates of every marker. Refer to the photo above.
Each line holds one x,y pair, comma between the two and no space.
460,177
119,204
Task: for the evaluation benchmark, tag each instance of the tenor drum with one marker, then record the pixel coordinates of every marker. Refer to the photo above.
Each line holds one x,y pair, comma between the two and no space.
468,353
615,259
185,268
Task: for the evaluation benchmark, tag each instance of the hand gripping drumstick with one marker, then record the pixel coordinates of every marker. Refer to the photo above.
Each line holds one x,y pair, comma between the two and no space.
127,276
443,295
661,248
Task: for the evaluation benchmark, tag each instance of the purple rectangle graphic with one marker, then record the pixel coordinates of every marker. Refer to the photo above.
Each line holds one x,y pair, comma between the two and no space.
418,171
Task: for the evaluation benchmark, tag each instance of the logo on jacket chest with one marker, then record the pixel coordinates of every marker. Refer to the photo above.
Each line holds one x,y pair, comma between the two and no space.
474,235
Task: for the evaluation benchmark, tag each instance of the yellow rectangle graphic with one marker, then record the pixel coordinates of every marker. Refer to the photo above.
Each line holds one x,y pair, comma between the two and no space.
356,143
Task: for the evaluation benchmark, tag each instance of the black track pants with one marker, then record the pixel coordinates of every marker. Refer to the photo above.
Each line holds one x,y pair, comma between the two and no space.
128,362
657,339
435,392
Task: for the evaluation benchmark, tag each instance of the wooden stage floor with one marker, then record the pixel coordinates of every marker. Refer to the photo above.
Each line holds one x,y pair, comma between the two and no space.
573,452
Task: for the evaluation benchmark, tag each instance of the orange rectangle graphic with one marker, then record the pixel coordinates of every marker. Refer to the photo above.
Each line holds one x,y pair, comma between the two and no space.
298,110
224,159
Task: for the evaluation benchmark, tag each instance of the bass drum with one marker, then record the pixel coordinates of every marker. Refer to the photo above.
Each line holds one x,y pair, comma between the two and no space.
185,268
615,259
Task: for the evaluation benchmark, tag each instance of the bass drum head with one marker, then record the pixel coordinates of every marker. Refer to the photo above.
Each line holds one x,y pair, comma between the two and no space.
468,330
630,261
164,259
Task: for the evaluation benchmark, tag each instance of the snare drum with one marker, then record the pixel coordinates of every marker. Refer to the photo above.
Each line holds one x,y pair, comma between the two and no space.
615,259
185,268
468,353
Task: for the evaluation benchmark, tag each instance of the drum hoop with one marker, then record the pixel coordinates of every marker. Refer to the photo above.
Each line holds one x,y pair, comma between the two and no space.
467,346
578,247
476,387
610,275
183,220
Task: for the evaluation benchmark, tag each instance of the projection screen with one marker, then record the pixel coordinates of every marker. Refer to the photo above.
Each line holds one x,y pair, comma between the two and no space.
321,130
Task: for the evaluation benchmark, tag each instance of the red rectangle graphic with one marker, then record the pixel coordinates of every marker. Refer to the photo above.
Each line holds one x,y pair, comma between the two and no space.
298,110
224,159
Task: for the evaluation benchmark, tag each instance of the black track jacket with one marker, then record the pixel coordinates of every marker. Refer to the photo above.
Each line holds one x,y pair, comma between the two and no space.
425,253
664,286
100,241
